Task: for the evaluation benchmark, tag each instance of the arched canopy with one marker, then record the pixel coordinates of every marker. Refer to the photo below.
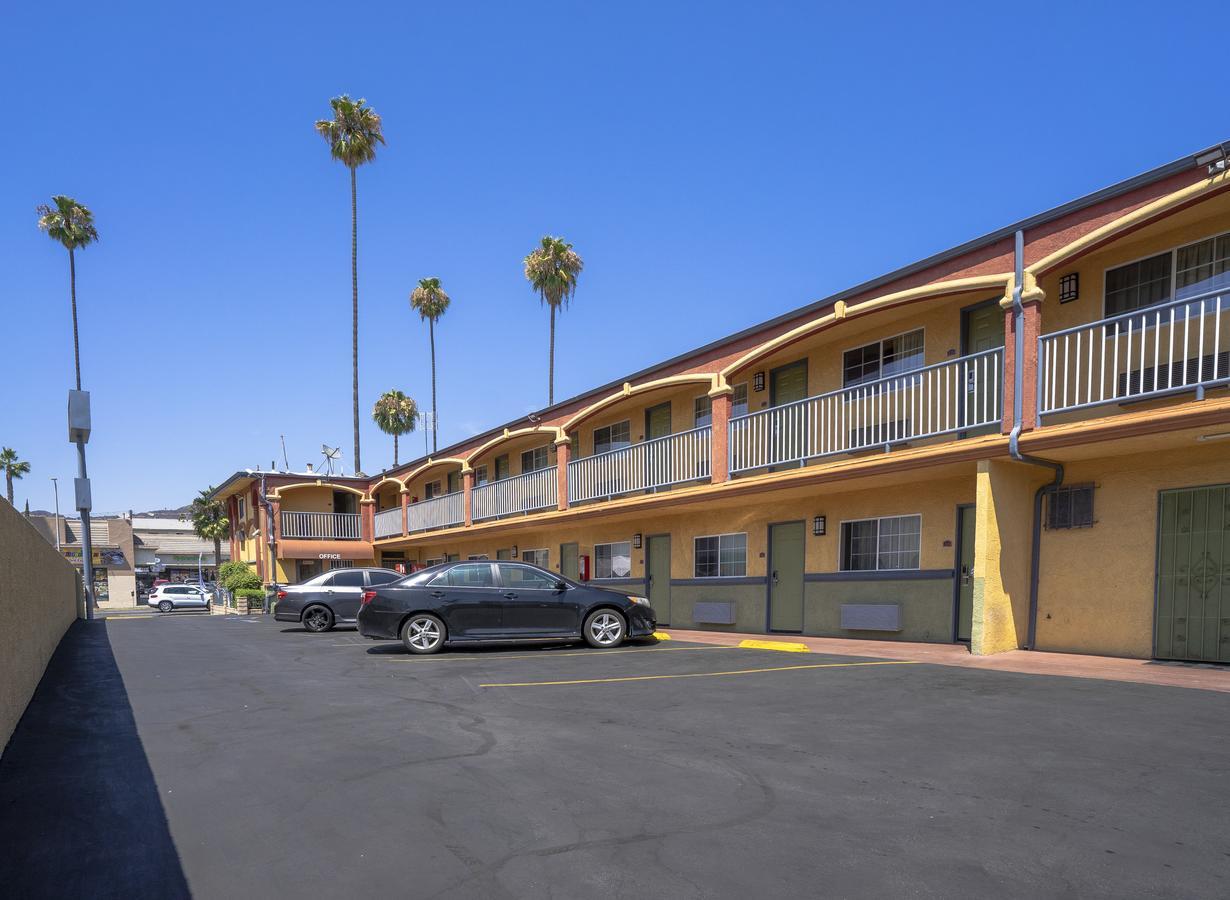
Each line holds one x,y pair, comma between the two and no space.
557,435
842,311
710,380
388,479
431,464
277,495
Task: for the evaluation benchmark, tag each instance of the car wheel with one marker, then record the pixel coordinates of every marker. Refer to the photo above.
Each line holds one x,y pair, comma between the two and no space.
317,618
605,628
165,606
423,634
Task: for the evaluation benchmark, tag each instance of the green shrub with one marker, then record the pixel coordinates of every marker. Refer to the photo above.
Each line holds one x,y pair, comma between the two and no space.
242,578
250,593
228,570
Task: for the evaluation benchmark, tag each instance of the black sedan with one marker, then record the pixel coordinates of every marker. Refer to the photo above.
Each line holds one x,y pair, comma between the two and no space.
472,602
329,598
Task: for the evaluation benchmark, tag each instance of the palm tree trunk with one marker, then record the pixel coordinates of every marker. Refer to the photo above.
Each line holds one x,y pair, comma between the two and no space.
72,283
217,559
354,332
8,478
394,450
551,362
431,329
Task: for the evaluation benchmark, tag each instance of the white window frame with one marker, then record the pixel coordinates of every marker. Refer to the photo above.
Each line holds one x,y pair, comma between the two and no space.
747,401
546,455
702,537
1174,272
541,565
613,576
889,337
608,427
478,557
428,563
695,418
841,537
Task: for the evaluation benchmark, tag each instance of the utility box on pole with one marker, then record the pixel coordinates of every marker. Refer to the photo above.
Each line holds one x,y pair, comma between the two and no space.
79,417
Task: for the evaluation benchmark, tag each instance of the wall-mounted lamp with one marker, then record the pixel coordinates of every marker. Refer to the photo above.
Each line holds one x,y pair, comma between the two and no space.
819,525
758,382
636,541
1069,287
514,551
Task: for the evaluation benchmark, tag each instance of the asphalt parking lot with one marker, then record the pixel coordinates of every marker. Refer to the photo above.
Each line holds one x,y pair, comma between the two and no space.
232,756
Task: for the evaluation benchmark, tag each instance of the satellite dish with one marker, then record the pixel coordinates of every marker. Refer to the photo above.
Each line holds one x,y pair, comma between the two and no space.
330,454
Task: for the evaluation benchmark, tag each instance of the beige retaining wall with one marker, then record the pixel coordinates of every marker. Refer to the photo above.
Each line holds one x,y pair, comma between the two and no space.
40,596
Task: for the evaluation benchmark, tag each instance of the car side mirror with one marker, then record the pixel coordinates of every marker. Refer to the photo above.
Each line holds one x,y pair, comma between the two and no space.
561,585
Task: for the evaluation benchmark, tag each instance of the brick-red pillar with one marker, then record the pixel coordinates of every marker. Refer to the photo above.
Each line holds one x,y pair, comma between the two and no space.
467,487
563,455
405,512
719,465
277,519
1031,327
368,521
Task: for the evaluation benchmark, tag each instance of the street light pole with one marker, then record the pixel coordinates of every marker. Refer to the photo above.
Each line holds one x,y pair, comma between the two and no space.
79,433
56,486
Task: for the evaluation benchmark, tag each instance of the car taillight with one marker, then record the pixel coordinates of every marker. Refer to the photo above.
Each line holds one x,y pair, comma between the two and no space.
368,597
281,595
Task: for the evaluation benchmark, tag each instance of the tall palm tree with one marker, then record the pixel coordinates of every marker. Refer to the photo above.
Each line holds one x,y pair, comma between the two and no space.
210,521
13,468
552,271
72,224
395,414
352,135
430,301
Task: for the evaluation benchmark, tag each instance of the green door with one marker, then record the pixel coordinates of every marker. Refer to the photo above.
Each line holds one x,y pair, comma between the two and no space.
786,577
982,328
965,573
658,574
786,385
657,472
1193,575
569,565
658,421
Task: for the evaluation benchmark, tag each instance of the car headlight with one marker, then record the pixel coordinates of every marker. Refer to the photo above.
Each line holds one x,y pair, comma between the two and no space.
640,601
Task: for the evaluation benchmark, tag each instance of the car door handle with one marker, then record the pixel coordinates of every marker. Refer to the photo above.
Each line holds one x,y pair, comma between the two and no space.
436,595
775,577
510,596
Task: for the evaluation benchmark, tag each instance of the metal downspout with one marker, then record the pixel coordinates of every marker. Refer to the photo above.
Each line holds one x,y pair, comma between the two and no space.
1018,403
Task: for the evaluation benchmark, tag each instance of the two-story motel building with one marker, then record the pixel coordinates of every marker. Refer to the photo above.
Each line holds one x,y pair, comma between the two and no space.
1012,447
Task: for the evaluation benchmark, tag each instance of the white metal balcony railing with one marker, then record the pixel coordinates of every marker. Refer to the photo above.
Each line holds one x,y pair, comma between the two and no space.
657,463
520,494
328,526
388,522
438,512
1165,349
947,397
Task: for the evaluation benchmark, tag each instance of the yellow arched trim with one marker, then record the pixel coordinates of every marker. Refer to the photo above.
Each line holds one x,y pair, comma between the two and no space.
557,435
842,310
432,463
1131,220
386,479
277,495
629,390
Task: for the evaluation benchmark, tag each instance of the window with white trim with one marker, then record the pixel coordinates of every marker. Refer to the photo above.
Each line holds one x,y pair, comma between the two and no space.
533,460
1187,271
613,560
882,359
501,467
432,489
887,543
480,475
540,558
738,400
473,557
434,561
720,556
702,411
613,437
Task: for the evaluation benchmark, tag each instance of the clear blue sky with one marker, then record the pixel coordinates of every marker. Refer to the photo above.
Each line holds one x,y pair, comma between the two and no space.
715,164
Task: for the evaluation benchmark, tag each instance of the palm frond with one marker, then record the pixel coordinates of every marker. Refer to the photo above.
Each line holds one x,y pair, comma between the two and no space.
68,222
429,299
552,270
354,131
395,413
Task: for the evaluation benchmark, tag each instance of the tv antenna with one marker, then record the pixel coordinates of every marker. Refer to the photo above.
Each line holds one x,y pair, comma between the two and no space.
285,462
330,454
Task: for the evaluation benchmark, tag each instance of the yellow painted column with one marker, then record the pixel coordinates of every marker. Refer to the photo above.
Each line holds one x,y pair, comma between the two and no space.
1002,538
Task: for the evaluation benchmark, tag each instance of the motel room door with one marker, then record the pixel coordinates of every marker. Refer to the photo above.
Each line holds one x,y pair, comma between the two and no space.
569,561
982,328
786,576
964,626
658,575
1193,575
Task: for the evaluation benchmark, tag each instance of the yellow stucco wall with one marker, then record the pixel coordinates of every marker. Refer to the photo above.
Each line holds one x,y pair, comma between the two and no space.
1004,514
1096,591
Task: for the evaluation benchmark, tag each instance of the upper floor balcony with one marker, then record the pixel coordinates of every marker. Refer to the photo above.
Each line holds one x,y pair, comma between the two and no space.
388,522
438,512
322,525
648,465
528,492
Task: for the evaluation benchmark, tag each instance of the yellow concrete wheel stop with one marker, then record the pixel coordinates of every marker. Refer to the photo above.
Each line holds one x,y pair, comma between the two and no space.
786,646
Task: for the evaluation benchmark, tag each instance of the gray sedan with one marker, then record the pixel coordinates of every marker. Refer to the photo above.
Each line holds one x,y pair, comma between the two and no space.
330,598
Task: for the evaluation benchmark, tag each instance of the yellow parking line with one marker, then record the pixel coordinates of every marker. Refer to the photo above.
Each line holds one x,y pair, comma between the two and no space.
775,645
548,654
887,662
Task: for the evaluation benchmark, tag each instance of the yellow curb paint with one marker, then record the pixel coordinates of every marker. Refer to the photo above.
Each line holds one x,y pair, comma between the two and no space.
888,662
661,636
593,654
774,645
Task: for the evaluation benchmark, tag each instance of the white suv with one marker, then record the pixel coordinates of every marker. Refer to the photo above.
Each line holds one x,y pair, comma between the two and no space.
167,597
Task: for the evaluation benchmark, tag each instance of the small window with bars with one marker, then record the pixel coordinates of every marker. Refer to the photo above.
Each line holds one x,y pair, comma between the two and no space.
1070,507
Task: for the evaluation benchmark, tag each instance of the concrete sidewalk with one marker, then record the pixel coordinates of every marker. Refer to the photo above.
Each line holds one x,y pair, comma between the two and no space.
1202,676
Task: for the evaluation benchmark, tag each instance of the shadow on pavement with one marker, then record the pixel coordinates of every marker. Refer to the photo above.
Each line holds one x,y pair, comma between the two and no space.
80,814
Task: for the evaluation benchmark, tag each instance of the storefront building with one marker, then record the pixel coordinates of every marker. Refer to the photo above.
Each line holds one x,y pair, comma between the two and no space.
115,583
1021,442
